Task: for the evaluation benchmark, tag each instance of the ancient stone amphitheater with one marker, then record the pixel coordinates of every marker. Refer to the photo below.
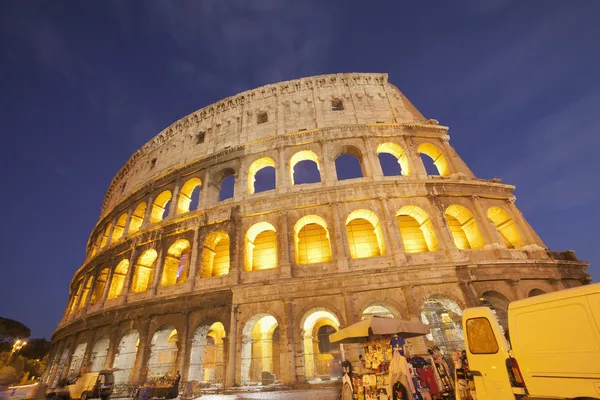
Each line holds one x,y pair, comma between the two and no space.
183,275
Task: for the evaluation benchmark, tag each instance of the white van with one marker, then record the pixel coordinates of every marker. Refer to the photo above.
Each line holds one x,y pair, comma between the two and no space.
555,341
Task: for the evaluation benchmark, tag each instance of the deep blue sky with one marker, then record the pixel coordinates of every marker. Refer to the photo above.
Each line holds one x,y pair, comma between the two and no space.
85,84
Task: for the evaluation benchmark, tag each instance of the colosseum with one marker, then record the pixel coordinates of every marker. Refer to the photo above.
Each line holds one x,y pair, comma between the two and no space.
235,241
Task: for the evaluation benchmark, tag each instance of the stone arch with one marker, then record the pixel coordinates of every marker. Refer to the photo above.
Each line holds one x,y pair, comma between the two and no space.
398,152
438,157
160,206
535,292
381,309
105,235
463,227
416,230
125,356
444,317
75,296
215,257
261,247
118,279
506,226
255,167
99,353
320,356
177,263
498,303
85,292
303,155
163,352
77,359
99,286
349,157
311,240
186,194
143,275
365,235
224,182
207,363
260,352
62,363
119,228
137,218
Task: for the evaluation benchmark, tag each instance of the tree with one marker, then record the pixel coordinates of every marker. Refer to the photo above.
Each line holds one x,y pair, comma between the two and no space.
11,329
36,348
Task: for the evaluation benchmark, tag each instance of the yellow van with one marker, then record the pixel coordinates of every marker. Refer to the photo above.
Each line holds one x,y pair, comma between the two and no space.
554,349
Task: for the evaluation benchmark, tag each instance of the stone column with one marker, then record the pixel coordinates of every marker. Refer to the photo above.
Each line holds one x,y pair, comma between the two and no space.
414,160
148,213
231,351
183,356
469,294
284,246
174,201
339,239
204,199
488,230
127,222
412,308
106,290
113,346
290,353
514,284
393,233
556,284
449,154
85,363
129,276
518,218
110,232
140,367
442,230
372,164
282,172
158,268
192,276
327,173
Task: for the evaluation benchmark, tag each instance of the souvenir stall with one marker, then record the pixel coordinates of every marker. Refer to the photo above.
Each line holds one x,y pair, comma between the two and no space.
390,365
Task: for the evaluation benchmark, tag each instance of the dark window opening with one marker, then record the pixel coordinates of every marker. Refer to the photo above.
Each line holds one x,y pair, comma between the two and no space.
200,137
325,346
306,171
430,167
347,166
262,117
152,163
389,165
264,180
337,105
226,188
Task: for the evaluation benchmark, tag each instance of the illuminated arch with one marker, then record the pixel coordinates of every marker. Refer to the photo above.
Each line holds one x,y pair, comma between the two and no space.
382,310
119,228
137,218
223,181
439,160
319,353
463,227
105,236
311,240
207,362
444,317
160,206
177,263
75,297
163,352
304,155
256,166
260,348
185,195
506,226
144,271
99,286
85,292
118,279
125,356
353,161
397,151
215,255
416,229
365,235
261,247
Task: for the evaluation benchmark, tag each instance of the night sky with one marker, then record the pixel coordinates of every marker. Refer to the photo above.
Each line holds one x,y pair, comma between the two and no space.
85,84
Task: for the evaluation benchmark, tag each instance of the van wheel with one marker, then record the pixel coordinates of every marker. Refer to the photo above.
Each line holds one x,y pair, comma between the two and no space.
84,396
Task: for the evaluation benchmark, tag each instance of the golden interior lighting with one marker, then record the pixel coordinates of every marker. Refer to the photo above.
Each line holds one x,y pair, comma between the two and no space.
256,166
463,227
311,239
144,271
99,286
75,297
185,195
303,155
119,228
439,160
160,204
315,362
215,255
365,236
118,279
261,247
137,218
177,263
506,226
416,230
262,344
85,292
397,151
105,236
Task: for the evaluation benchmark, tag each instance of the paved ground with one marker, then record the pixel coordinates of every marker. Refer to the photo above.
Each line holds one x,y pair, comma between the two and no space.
311,394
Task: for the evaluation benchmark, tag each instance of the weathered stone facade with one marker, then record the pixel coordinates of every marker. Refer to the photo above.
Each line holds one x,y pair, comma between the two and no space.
152,267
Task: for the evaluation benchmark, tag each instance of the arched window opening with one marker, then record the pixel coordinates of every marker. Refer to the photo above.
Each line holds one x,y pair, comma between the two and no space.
177,263
321,357
99,352
311,239
163,353
347,166
391,156
207,364
215,255
378,310
365,235
304,168
535,292
498,303
96,245
506,226
188,195
444,318
105,236
160,208
99,286
261,247
118,279
137,218
125,357
85,292
463,227
75,296
416,230
437,157
119,228
261,175
144,271
260,349
61,364
77,359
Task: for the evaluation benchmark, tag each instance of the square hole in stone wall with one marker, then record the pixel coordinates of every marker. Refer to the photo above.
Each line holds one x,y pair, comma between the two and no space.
337,105
200,137
152,163
262,117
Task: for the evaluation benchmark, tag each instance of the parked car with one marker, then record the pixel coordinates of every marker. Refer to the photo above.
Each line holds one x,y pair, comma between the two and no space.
92,385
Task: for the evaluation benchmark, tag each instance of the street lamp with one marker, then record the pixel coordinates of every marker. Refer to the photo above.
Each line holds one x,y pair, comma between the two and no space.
17,345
